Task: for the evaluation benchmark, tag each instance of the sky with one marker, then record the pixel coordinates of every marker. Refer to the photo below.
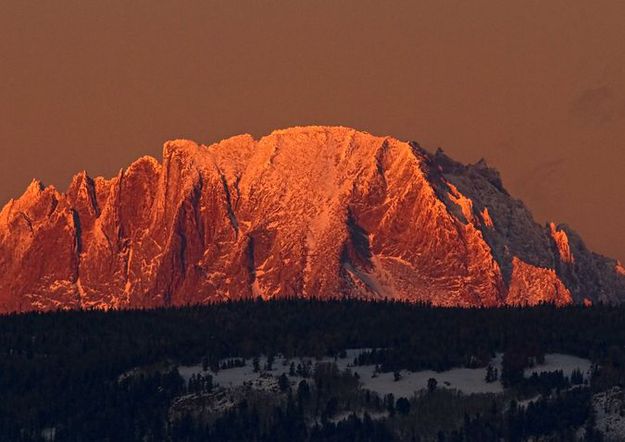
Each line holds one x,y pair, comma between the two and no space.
537,88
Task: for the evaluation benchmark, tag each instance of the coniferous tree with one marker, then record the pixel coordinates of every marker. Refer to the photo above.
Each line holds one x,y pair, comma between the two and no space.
402,406
283,382
431,385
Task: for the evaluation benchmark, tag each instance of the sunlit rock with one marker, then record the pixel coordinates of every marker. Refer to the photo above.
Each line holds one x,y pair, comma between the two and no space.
325,212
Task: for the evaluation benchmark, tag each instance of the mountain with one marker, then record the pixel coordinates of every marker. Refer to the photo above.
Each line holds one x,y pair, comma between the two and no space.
327,212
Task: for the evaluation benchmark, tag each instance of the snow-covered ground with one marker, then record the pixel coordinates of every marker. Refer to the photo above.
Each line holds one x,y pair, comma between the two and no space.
566,363
465,380
346,414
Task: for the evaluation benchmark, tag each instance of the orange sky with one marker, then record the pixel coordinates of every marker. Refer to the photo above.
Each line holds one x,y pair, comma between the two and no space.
535,87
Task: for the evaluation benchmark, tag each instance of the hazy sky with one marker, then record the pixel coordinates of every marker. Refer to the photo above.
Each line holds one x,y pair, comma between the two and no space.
535,87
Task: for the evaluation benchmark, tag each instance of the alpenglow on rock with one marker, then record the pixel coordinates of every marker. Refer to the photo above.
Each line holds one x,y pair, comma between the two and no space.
325,212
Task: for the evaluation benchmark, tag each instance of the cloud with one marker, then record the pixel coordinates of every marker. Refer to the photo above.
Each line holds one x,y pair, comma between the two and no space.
598,105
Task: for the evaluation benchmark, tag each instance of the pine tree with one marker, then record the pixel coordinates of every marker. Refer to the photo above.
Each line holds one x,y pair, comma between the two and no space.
432,384
283,382
403,406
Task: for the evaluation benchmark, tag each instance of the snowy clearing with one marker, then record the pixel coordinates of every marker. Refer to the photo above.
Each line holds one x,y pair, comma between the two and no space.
566,363
465,380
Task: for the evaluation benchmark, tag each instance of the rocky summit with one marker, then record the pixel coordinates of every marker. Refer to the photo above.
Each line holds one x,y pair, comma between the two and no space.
323,212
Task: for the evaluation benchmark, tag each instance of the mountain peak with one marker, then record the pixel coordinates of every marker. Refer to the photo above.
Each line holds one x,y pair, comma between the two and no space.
179,147
312,211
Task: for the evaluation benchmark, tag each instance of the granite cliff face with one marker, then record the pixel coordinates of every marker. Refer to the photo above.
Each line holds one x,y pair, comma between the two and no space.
325,212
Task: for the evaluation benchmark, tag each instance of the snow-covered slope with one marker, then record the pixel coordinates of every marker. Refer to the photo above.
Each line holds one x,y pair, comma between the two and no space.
326,212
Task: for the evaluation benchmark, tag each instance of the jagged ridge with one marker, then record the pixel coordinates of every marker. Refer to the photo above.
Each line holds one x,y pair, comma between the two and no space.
310,211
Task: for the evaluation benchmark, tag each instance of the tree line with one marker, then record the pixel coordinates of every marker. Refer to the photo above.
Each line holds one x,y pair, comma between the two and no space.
62,369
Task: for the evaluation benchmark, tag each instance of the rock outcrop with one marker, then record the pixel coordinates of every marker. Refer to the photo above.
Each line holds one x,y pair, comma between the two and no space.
325,212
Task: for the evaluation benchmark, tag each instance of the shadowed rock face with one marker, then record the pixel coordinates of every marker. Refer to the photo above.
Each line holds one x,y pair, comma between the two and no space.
324,212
